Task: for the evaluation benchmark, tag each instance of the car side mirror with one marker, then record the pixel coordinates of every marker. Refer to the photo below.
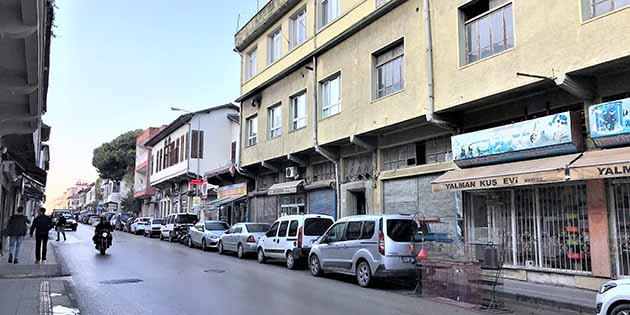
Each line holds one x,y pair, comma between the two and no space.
227,231
324,239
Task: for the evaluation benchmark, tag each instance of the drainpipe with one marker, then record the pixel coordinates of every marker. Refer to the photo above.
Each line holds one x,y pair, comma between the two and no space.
431,117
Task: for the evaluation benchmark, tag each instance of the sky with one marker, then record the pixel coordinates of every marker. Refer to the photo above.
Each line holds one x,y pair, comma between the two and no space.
120,65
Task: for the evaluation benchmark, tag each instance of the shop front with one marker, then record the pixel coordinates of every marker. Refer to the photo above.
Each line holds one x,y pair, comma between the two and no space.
230,205
291,197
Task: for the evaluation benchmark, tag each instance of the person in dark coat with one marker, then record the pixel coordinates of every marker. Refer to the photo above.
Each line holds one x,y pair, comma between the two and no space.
41,226
16,230
61,226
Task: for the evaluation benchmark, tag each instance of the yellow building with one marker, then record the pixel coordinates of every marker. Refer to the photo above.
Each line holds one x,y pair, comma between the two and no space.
349,106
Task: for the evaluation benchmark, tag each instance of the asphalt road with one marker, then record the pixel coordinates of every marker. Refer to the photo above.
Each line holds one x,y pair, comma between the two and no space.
173,279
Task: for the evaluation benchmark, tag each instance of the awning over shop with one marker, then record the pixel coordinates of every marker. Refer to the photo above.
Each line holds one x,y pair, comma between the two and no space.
221,202
285,188
538,171
609,163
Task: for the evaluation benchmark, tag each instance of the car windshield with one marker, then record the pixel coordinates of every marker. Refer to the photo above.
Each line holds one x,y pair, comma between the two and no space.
402,230
144,220
186,218
216,226
316,226
256,228
158,221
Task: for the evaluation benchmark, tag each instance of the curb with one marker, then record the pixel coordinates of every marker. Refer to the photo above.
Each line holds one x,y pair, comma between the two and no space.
539,301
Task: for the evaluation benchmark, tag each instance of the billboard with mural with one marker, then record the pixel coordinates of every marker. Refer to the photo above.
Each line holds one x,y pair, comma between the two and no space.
544,136
610,123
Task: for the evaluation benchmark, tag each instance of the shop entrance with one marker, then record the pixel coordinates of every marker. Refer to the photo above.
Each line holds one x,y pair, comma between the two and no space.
532,227
620,220
358,201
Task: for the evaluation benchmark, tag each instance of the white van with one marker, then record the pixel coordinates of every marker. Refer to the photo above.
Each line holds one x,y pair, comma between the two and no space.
174,222
368,246
291,237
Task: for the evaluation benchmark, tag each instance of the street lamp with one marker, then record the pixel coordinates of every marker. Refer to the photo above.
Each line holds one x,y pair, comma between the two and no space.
177,109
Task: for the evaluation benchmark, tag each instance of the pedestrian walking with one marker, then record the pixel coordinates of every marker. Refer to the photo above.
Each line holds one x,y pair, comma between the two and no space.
61,226
16,230
41,226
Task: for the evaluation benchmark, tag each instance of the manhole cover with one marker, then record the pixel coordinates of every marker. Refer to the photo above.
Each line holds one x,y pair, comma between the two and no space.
120,281
214,271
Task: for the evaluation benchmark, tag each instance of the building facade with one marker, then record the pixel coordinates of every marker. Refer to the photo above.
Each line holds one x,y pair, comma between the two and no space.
353,107
142,175
186,149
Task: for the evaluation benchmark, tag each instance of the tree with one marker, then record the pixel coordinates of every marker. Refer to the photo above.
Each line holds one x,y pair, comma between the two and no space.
98,194
113,160
129,203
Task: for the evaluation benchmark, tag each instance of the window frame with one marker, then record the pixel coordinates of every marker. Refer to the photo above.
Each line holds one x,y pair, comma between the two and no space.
506,36
325,18
389,61
272,48
330,105
252,130
294,26
591,5
251,68
274,131
292,111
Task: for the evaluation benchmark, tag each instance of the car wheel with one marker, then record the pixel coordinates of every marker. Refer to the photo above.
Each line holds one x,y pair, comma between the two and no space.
74,229
364,274
220,248
291,261
316,268
190,243
261,256
623,309
204,247
239,252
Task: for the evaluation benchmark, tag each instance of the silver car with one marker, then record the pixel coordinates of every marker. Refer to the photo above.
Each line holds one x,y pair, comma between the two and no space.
206,234
242,238
367,246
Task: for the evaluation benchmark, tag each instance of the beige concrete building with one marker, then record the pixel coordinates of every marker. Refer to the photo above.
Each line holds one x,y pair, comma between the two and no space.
364,106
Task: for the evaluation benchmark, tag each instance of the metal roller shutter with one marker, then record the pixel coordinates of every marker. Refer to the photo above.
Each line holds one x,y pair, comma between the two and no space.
400,196
266,209
322,201
414,194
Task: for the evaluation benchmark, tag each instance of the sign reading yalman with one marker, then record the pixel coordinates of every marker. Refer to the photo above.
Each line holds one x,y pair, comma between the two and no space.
545,136
610,123
609,163
500,181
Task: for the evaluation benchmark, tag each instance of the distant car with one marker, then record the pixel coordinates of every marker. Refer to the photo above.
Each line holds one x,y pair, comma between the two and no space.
120,221
153,227
206,234
242,238
290,238
94,221
176,224
139,225
55,214
368,246
613,298
127,226
71,223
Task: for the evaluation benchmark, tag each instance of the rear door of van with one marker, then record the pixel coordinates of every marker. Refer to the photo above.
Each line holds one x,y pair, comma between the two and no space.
313,228
400,249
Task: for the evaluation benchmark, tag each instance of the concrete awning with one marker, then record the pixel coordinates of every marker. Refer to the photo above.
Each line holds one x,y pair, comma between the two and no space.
531,172
609,163
286,188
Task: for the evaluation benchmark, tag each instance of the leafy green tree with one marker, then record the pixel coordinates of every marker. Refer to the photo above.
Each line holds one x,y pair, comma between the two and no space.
98,194
113,160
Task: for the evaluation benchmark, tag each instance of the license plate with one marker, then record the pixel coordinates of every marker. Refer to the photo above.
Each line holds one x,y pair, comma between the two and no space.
408,260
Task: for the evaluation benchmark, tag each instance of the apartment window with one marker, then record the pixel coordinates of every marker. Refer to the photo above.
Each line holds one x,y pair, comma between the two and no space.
331,96
187,153
275,46
166,155
298,111
490,32
599,7
182,142
329,10
197,144
116,187
275,121
176,152
251,65
233,152
297,29
390,71
252,130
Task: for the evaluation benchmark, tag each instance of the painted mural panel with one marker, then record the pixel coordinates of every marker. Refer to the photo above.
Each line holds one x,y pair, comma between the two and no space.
610,123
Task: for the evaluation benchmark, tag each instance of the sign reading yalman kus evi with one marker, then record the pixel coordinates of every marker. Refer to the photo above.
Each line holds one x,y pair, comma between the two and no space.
444,184
545,136
610,123
235,190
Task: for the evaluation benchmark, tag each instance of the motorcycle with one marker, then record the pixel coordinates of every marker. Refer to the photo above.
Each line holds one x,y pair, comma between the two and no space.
103,241
181,233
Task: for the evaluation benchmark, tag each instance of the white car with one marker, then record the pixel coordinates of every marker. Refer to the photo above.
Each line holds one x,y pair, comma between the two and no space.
206,234
176,224
290,238
242,238
613,298
153,227
93,221
139,225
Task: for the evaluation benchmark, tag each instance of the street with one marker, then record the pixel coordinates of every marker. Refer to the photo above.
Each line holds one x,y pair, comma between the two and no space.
146,276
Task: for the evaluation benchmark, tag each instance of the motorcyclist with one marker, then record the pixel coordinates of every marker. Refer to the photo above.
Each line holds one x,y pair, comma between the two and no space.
102,225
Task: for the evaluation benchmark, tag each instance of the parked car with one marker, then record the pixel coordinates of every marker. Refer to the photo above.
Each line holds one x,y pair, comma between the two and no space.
71,223
177,225
206,234
153,227
290,238
367,246
120,220
127,226
613,298
108,215
55,214
92,218
139,225
242,238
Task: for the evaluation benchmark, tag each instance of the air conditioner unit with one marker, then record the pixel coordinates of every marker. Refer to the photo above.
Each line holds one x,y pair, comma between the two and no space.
291,172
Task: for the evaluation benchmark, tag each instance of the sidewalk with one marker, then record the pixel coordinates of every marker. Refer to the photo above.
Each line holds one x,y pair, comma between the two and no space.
27,267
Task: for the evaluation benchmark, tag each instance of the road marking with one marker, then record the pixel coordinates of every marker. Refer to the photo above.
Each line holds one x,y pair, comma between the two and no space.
45,305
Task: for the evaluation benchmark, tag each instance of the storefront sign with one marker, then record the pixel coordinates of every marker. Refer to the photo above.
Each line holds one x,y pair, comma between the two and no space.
545,136
235,190
603,171
196,201
501,181
610,123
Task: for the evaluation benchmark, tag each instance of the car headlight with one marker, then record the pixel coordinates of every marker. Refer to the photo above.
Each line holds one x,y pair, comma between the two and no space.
607,287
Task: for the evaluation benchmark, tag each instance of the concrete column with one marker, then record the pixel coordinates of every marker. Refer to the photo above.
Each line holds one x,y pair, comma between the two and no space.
598,227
